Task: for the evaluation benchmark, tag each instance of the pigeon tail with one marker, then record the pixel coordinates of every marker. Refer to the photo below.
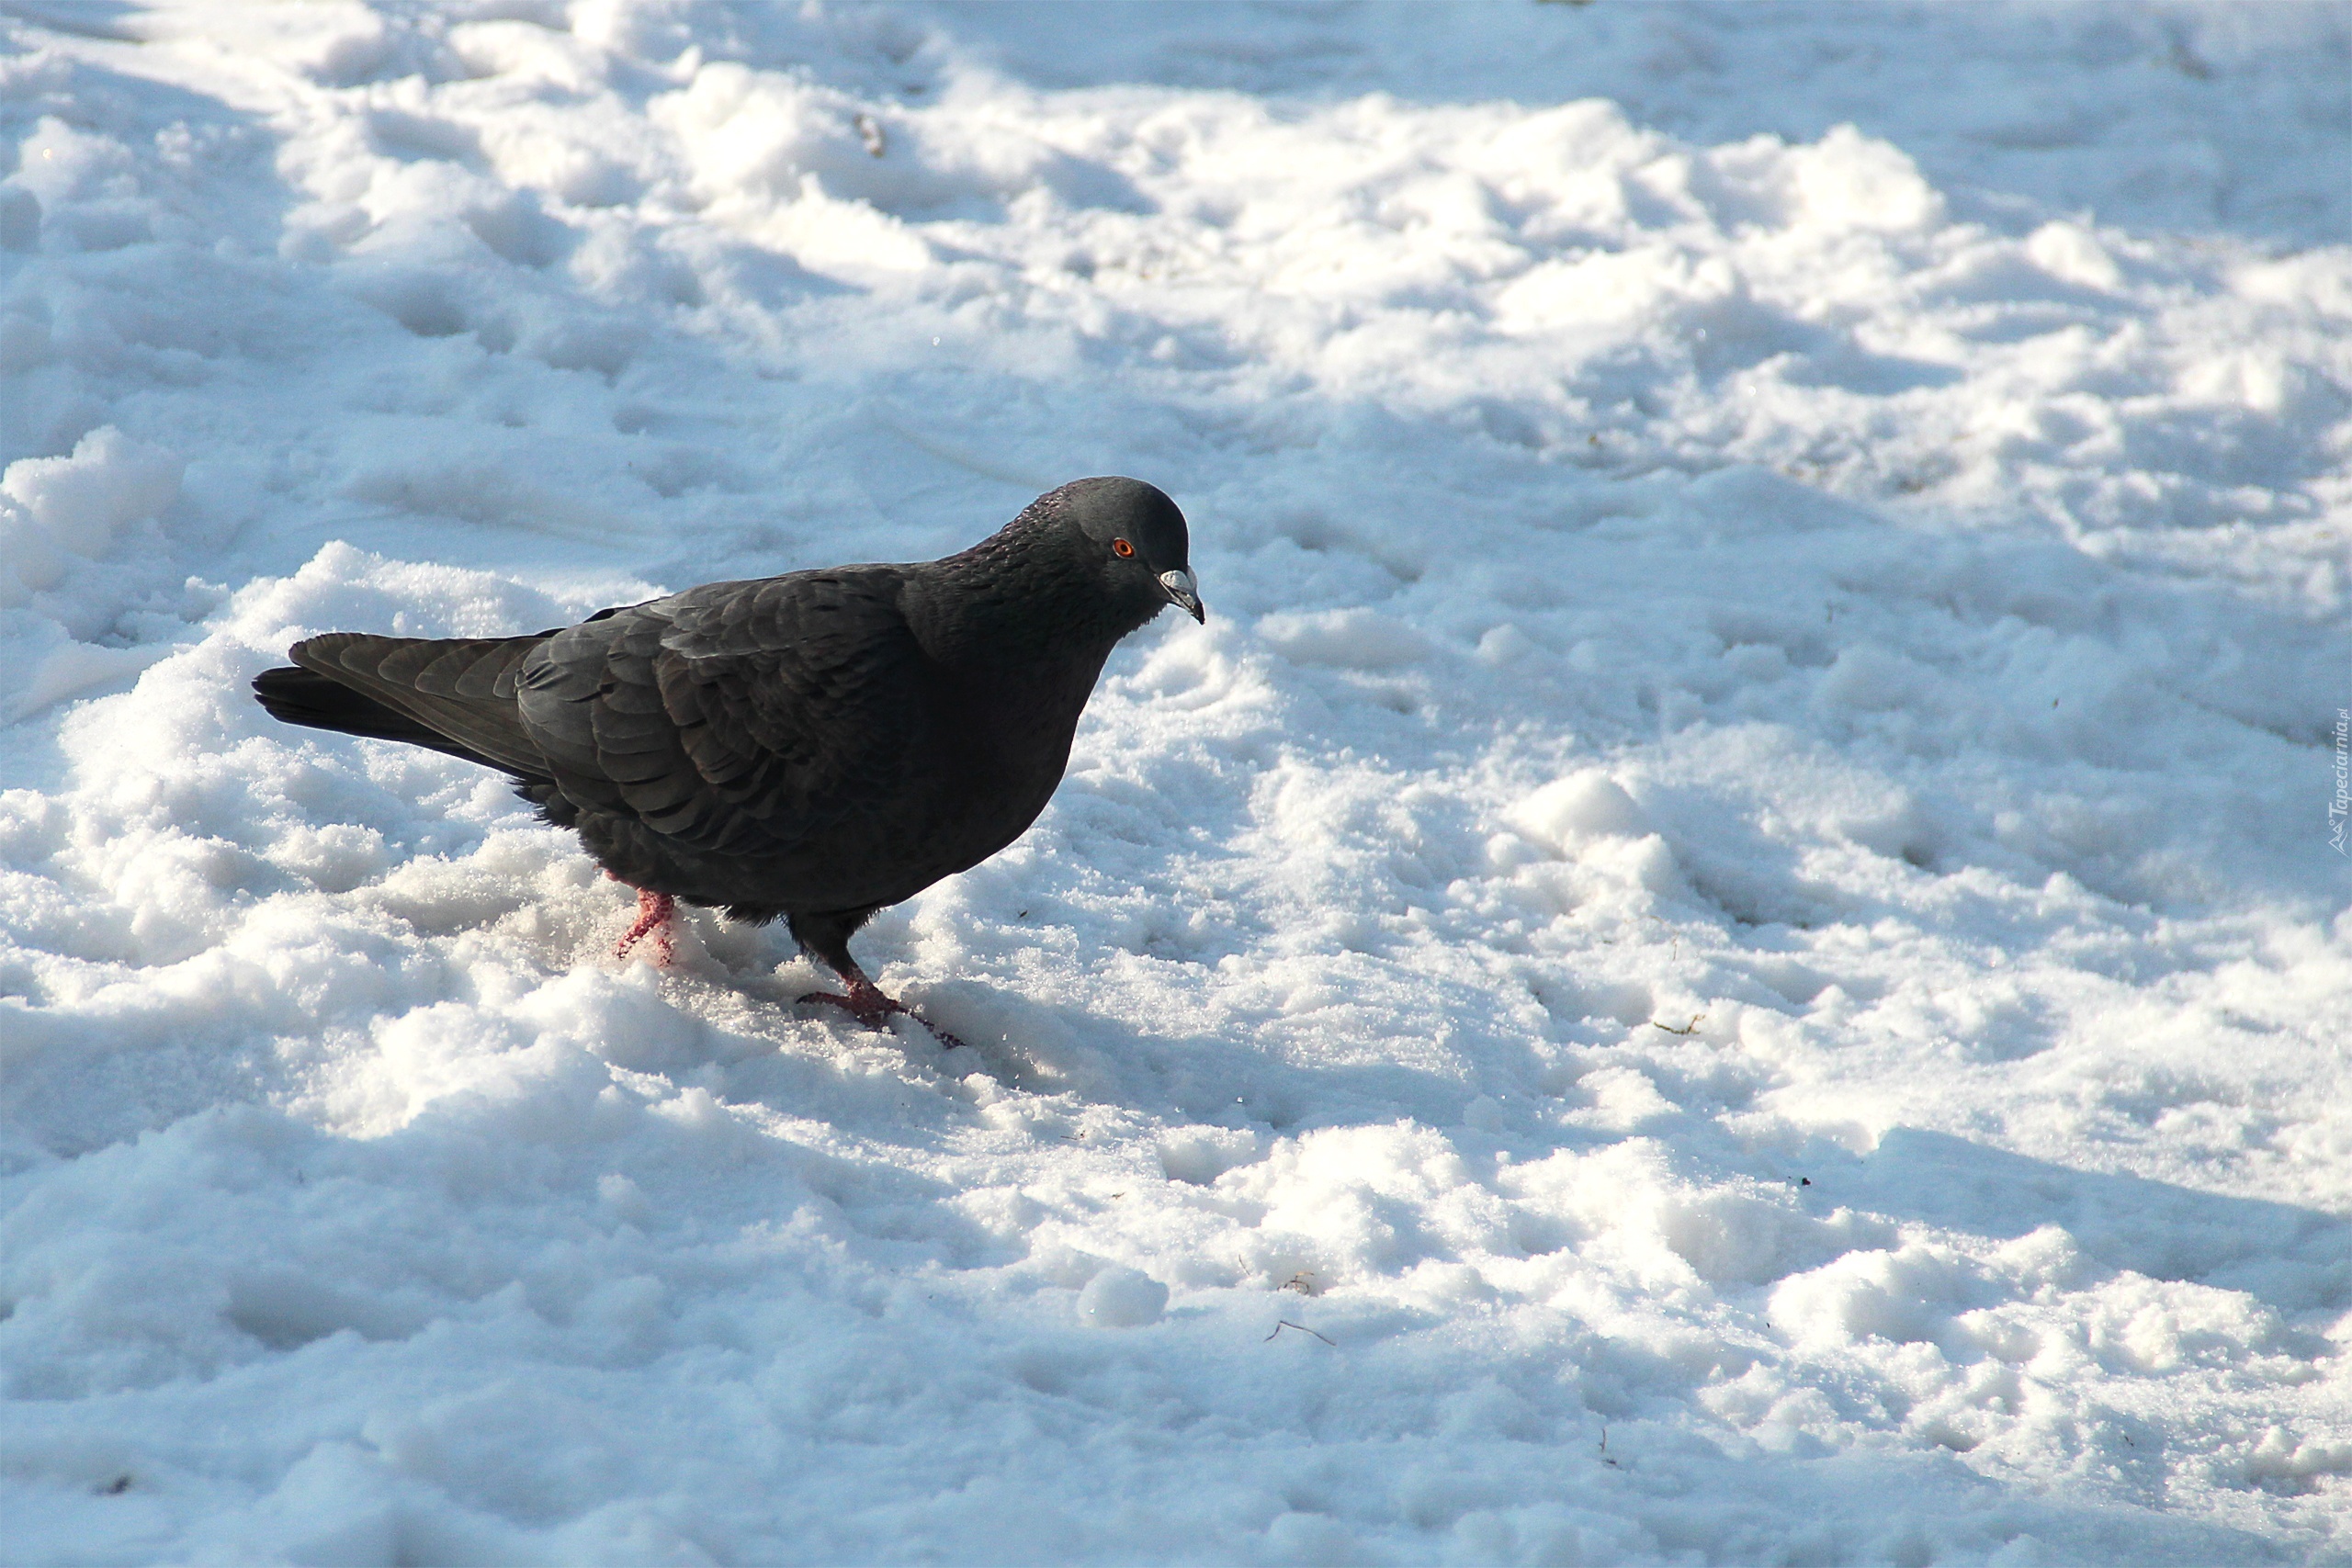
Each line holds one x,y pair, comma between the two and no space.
453,694
316,702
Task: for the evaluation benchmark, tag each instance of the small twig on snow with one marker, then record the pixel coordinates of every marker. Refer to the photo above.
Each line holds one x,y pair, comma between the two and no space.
1286,1323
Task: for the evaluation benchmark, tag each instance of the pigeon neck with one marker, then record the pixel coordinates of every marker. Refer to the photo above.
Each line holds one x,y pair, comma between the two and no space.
1020,598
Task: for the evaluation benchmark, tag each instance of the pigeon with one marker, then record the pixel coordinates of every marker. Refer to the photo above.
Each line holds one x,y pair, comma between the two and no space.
816,746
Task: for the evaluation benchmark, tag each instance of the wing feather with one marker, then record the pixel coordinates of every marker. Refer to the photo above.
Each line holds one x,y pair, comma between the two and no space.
738,717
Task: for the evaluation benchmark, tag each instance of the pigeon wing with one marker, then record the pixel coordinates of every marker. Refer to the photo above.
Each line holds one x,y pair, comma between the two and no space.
737,718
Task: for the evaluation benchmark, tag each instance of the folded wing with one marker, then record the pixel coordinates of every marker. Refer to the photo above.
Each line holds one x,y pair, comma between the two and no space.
735,719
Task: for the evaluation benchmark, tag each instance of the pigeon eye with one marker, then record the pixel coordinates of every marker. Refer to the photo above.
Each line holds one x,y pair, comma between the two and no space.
1121,548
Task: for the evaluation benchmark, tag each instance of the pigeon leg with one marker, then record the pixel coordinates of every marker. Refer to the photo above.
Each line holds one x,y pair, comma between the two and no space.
825,934
867,1003
653,914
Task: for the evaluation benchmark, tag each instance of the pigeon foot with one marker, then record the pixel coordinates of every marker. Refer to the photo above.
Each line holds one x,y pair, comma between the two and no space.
869,1005
654,911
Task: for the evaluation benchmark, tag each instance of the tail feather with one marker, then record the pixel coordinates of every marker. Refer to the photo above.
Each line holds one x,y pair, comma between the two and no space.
453,695
305,697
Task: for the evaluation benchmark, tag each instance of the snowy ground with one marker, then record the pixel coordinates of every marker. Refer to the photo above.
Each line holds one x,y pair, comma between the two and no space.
1732,919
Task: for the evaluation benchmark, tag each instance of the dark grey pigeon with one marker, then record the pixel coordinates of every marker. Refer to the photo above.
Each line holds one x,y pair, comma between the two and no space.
815,746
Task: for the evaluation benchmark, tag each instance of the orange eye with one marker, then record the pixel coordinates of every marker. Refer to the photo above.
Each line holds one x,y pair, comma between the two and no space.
1121,548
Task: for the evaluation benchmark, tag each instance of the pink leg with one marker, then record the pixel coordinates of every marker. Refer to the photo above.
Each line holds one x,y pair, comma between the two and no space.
653,913
869,1005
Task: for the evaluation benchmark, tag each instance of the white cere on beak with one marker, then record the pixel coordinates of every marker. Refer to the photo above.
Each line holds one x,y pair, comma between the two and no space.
1184,593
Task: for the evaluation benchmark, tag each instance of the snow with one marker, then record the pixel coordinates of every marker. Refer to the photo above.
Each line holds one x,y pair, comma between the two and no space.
1726,948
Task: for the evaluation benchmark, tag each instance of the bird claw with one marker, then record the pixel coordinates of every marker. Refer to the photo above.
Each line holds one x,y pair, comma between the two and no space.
653,913
872,1009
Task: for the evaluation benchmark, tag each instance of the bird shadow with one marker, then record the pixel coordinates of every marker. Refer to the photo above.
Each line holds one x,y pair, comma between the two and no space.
2297,1260
1174,1074
1159,1069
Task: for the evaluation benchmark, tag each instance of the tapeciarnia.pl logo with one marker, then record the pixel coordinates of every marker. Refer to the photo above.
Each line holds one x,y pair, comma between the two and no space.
2342,805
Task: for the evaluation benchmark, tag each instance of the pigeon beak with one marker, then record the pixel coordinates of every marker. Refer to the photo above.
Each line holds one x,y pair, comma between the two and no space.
1184,593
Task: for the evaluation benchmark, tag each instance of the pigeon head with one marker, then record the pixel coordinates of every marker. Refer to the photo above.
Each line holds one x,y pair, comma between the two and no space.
1144,551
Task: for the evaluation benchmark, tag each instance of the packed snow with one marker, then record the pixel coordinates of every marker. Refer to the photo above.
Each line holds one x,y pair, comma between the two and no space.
1731,946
